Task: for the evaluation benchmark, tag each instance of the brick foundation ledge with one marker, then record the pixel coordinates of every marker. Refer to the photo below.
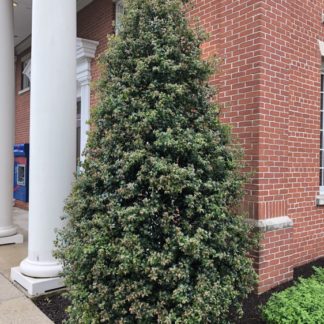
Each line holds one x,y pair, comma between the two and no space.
273,261
272,224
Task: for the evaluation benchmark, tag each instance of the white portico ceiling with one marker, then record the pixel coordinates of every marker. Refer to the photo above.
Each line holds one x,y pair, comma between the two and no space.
23,14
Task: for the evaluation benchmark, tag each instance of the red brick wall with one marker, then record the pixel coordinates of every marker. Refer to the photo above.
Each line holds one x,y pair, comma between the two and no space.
22,106
304,124
273,261
269,85
95,22
234,29
291,104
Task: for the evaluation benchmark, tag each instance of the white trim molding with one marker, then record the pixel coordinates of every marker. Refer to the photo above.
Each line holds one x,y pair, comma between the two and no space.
86,52
119,12
321,47
27,70
21,92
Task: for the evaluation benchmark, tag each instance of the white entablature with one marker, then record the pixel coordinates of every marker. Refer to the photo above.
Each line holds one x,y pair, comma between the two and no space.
85,52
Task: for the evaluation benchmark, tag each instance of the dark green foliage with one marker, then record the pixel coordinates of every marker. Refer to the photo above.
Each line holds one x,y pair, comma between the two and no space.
152,235
302,303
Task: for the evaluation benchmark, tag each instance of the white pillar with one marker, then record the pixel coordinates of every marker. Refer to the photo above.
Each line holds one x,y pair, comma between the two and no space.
85,114
7,123
86,51
52,131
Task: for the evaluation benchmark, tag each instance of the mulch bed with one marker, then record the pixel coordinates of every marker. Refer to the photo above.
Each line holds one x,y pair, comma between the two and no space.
54,305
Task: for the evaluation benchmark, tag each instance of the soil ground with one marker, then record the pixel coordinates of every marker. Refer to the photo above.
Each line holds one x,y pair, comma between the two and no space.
54,306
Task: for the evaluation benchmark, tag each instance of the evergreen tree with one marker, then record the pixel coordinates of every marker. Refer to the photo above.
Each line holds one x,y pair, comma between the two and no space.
152,232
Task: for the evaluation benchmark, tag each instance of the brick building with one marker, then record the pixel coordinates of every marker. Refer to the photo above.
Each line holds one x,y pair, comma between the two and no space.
271,86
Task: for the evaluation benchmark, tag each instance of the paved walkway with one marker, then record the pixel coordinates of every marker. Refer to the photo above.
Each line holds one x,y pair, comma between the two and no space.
15,307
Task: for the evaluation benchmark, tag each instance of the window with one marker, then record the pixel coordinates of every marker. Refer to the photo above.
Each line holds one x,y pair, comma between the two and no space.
25,83
322,134
119,14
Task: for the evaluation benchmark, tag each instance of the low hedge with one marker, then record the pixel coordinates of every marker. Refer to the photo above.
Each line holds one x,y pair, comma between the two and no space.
302,303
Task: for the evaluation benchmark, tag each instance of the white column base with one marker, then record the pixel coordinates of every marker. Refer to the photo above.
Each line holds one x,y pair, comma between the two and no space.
8,231
14,239
35,286
40,269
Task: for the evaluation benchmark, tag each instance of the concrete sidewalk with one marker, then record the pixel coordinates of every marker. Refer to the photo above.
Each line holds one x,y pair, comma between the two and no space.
15,307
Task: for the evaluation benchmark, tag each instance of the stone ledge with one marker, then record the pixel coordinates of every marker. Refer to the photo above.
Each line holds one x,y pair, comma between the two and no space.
320,200
272,224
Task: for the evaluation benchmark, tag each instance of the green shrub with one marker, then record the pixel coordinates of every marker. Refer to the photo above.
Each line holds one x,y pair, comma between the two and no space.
300,304
152,232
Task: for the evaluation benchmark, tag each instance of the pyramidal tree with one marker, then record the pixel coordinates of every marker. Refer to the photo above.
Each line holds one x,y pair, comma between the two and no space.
152,234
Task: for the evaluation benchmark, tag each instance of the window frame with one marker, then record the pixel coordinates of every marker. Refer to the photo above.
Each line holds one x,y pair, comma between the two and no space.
24,80
119,12
322,131
78,130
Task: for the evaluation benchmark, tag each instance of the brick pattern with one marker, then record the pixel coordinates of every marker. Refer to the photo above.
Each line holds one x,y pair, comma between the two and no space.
268,87
273,261
234,28
304,124
22,106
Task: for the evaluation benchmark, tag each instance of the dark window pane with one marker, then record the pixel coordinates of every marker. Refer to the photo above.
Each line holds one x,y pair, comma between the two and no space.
78,142
79,107
321,159
78,132
321,140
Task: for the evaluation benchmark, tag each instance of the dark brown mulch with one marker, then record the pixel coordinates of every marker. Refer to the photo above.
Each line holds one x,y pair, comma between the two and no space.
53,306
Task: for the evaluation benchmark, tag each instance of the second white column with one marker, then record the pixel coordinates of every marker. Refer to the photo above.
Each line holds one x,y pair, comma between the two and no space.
52,129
